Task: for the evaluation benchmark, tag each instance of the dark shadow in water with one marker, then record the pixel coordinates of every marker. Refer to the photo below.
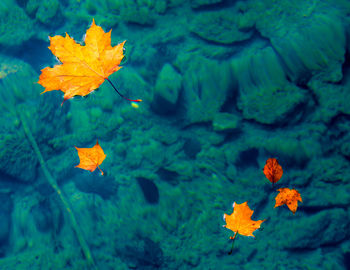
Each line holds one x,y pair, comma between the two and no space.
147,254
6,206
169,176
192,147
248,158
347,260
149,189
102,185
36,53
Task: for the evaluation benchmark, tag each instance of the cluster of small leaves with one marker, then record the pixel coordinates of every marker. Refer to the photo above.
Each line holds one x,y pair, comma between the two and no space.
273,171
240,221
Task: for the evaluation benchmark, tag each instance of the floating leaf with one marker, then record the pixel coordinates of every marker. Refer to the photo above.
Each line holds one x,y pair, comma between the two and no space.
84,68
91,158
240,220
272,170
290,197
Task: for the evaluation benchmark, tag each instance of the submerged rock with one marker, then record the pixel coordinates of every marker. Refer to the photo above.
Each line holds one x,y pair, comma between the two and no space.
222,27
309,36
167,90
326,228
192,147
15,26
267,97
49,13
225,122
206,84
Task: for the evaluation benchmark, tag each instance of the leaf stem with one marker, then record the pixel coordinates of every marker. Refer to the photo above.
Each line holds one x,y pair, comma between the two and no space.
100,170
133,100
233,241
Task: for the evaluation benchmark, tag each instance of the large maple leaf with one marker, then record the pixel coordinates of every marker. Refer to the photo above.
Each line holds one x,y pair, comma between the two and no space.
273,170
290,197
83,68
240,220
91,158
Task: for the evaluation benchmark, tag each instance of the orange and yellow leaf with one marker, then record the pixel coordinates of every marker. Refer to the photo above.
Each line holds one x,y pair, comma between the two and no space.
272,170
83,68
91,158
240,220
290,197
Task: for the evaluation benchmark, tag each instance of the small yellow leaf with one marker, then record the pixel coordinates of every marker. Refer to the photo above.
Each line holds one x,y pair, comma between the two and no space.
91,158
290,197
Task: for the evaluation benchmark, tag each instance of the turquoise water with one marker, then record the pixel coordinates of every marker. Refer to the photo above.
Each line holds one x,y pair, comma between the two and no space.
225,85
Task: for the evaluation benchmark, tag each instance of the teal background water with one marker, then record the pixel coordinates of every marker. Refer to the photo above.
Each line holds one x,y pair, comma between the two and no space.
225,85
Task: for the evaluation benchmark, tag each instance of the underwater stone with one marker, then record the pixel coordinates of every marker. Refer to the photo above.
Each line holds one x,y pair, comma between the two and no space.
292,151
149,190
222,27
267,97
153,152
309,37
332,98
166,90
231,172
184,169
95,113
31,7
15,26
167,135
333,169
49,13
225,122
317,48
139,13
336,195
192,147
160,6
200,103
326,228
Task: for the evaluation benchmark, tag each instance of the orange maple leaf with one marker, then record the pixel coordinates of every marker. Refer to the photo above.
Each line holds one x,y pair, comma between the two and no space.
240,220
272,170
290,197
83,68
90,158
